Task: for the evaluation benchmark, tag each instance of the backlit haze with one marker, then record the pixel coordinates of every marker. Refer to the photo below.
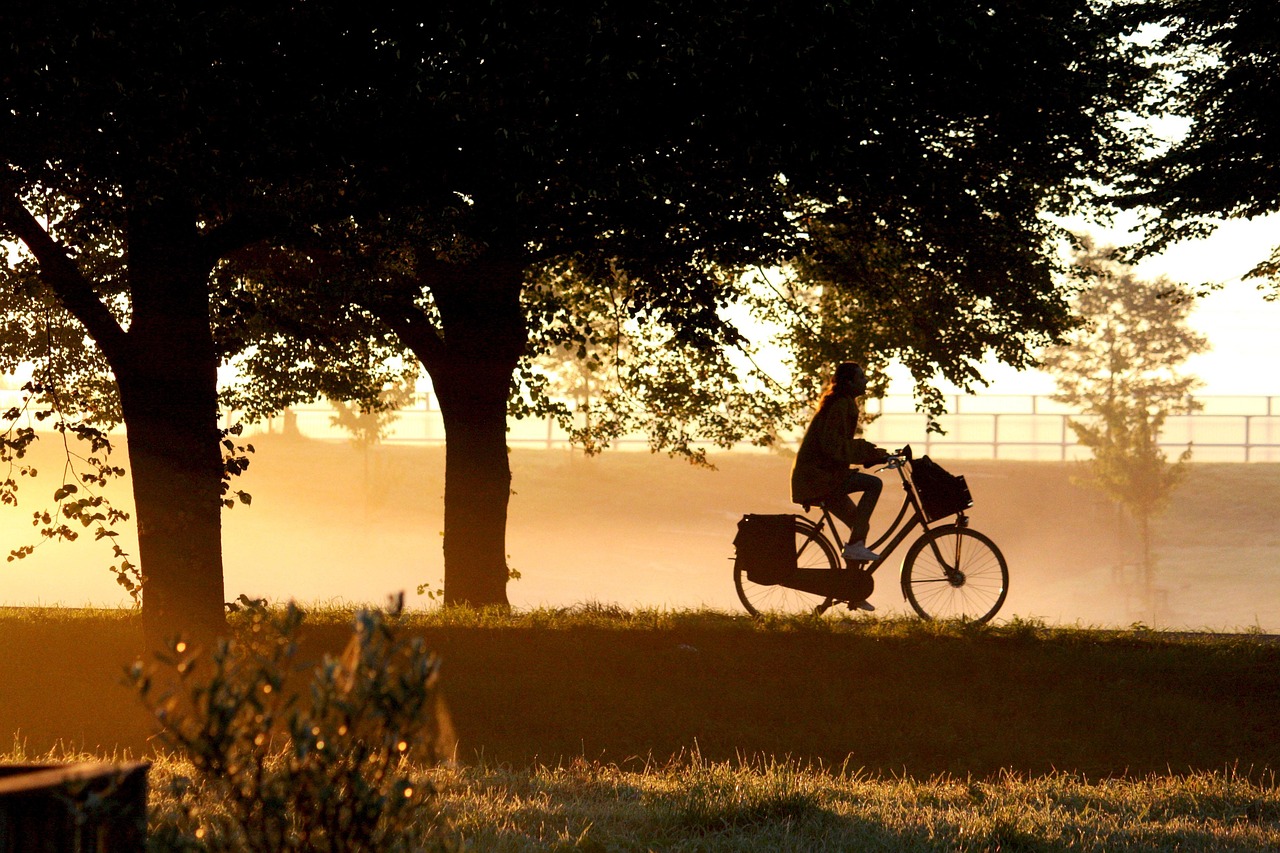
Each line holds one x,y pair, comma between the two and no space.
332,522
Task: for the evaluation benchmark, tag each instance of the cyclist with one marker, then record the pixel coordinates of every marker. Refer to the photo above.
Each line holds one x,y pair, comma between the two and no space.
821,472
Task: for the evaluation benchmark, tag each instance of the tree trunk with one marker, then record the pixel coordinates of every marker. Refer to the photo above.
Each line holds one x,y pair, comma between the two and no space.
473,403
176,472
169,399
1148,565
471,359
165,366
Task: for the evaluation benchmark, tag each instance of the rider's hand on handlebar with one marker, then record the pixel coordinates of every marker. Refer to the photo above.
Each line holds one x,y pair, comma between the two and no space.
893,460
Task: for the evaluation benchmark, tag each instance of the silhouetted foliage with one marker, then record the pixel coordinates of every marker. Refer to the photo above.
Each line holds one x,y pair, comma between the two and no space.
1221,59
424,165
141,143
581,178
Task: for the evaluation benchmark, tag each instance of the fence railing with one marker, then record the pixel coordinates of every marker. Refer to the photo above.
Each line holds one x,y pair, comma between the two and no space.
1237,428
994,426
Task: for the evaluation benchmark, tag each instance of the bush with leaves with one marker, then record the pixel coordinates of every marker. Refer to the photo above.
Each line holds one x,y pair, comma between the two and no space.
339,769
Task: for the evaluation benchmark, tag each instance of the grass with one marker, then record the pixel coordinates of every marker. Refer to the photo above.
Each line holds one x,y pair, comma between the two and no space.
634,687
698,805
693,804
596,728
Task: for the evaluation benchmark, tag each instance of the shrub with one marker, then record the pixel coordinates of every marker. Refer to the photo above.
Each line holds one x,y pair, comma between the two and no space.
337,769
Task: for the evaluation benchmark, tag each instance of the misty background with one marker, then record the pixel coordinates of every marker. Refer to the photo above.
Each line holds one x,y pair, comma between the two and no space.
334,522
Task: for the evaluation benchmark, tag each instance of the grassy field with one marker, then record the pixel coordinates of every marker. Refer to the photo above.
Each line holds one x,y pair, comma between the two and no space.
692,804
631,688
697,805
601,729
686,725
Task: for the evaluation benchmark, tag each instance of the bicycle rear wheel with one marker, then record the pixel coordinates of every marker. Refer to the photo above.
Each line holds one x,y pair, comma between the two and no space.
970,582
813,551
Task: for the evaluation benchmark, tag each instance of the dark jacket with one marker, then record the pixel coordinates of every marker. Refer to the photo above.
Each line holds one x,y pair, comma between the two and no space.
827,450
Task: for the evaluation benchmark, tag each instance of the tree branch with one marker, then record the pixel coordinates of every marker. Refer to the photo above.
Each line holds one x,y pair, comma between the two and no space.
239,231
60,272
413,328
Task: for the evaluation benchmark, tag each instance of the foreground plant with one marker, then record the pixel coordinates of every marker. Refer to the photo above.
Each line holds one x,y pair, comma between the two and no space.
693,804
339,769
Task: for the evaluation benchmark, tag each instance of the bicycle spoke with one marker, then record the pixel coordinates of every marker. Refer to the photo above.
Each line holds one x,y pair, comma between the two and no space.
964,578
813,551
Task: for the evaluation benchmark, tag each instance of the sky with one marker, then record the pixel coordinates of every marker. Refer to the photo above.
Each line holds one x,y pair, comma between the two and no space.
1242,326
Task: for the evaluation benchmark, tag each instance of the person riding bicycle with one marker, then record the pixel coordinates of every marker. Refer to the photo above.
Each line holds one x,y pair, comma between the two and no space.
821,473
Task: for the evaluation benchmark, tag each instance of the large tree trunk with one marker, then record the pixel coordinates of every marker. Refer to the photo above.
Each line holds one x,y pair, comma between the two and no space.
484,334
471,359
169,399
166,369
473,402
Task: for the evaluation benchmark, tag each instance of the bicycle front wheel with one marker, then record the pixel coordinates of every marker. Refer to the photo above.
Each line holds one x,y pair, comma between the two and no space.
955,573
813,551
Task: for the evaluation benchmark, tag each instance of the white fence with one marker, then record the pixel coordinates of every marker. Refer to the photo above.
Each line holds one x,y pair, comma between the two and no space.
1227,429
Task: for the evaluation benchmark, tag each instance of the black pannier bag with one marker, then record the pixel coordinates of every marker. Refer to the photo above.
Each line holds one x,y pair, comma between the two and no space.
765,547
941,494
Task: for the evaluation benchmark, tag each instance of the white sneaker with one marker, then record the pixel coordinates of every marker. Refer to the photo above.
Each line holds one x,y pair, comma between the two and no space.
858,552
863,605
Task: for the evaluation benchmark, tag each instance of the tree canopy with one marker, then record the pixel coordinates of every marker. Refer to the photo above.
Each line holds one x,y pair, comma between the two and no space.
285,174
1220,61
140,144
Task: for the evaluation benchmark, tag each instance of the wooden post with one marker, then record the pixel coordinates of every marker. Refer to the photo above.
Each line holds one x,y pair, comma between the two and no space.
79,808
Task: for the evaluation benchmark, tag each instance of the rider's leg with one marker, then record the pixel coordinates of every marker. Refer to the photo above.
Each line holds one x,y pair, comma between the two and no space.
869,485
857,516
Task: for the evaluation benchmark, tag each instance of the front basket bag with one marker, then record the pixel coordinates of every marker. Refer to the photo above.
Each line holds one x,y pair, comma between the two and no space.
941,493
765,547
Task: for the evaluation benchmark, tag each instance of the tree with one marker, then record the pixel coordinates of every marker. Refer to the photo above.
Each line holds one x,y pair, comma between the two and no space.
1122,370
459,151
679,145
141,142
948,256
1221,59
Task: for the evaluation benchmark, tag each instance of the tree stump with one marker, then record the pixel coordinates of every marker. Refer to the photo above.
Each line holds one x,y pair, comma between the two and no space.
83,807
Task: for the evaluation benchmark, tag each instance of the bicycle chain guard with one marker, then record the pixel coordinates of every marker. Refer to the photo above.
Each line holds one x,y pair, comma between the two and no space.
850,584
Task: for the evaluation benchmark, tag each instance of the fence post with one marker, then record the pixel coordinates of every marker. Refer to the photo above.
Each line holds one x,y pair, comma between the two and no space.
77,808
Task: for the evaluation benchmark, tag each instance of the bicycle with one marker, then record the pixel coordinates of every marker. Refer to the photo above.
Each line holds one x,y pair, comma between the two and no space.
950,571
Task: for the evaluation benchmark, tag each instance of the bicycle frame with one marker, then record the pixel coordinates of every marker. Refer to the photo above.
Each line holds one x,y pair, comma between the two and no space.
917,518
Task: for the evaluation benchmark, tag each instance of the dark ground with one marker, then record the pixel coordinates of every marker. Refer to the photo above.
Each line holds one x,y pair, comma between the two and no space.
895,700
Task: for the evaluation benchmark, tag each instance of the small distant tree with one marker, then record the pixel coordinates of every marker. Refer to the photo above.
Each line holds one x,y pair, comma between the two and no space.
1122,369
370,421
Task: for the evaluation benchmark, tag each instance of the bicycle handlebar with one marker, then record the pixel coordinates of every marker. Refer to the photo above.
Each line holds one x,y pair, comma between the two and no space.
897,459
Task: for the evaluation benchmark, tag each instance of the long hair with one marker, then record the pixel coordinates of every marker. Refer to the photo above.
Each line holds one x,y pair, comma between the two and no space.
844,373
